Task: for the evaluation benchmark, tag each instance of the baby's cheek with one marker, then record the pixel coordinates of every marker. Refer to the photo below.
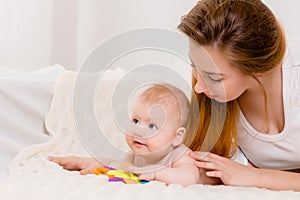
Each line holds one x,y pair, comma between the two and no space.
128,139
152,145
158,144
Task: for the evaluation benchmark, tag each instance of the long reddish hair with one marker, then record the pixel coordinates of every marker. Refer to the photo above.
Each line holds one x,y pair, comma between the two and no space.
212,125
252,40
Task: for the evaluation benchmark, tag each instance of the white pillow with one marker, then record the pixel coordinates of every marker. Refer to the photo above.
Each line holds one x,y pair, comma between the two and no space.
24,100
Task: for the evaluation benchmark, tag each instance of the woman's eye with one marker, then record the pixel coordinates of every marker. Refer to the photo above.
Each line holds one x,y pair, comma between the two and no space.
215,78
152,126
135,121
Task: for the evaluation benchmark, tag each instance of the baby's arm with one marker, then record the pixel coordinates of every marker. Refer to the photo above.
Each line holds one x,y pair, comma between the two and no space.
182,172
85,165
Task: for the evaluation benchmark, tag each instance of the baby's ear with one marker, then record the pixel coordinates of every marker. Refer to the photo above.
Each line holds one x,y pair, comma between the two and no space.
180,132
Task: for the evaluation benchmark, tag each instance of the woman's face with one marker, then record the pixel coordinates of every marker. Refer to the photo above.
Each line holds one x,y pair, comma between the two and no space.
214,75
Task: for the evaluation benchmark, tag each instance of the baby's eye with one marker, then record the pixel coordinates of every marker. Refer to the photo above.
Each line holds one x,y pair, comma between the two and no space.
135,121
152,126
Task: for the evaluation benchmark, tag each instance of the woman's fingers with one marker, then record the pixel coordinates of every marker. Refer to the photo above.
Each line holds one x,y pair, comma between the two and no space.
211,162
207,165
216,157
205,156
216,174
198,155
227,170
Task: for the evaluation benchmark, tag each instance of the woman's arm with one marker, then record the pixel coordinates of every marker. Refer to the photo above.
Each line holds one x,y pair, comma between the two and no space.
232,173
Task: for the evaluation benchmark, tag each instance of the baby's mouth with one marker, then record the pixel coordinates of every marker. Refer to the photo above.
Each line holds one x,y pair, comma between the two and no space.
139,143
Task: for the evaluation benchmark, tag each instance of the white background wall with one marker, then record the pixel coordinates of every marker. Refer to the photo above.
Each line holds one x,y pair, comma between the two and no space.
39,33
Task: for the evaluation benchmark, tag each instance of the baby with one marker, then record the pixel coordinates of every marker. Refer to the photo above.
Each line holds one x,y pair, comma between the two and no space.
155,136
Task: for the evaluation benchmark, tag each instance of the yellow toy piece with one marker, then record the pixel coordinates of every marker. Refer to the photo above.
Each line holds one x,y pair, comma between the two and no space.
118,175
123,174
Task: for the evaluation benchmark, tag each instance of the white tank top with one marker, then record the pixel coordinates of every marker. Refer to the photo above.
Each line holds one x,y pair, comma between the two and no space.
280,151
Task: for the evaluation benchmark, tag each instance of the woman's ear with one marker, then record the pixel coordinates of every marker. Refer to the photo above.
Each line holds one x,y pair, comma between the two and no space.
179,135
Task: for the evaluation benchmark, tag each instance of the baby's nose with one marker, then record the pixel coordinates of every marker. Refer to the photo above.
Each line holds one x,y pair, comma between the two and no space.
137,134
142,132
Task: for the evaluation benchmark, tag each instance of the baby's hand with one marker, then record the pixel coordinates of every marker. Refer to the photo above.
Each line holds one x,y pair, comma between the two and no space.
147,176
144,173
82,164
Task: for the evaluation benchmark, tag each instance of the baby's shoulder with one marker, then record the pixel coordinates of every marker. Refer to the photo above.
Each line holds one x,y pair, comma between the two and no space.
184,159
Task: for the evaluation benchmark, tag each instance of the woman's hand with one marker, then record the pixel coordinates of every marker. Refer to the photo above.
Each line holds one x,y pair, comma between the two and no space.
230,172
82,164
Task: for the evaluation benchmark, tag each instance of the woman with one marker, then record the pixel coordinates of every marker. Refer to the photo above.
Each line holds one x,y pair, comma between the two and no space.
237,50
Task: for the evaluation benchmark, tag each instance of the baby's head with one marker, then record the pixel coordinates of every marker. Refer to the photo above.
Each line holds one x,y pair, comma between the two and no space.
158,121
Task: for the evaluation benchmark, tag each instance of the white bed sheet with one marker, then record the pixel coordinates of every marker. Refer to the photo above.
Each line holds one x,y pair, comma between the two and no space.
24,98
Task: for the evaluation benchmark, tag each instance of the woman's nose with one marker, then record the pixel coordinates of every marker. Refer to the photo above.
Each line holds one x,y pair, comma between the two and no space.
200,85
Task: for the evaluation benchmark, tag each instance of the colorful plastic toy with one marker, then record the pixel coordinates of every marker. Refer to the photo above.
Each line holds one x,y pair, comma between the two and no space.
118,175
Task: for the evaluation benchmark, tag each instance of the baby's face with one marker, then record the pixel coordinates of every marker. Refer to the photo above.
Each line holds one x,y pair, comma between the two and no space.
152,127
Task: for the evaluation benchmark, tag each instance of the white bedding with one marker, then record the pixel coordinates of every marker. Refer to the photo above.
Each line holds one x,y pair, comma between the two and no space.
31,176
24,98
